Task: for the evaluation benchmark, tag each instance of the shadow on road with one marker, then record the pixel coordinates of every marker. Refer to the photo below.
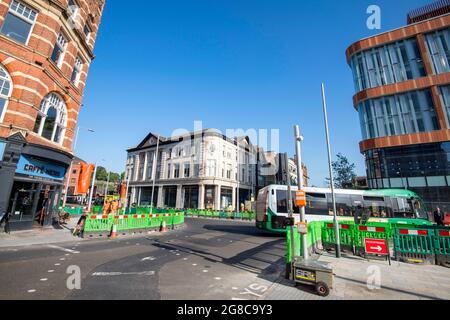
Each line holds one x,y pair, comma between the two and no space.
250,230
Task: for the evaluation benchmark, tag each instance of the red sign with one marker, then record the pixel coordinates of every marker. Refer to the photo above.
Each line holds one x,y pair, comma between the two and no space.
376,246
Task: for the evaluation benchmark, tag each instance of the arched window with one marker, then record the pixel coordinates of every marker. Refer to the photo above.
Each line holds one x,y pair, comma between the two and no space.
51,121
5,90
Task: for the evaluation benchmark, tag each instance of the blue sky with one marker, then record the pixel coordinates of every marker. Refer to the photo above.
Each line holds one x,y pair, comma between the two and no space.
161,65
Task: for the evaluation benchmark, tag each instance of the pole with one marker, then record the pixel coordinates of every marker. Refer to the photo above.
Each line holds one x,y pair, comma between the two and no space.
298,150
290,210
330,167
106,188
238,207
92,189
155,160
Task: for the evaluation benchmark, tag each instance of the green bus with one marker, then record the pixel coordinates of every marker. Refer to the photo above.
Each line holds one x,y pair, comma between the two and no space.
387,205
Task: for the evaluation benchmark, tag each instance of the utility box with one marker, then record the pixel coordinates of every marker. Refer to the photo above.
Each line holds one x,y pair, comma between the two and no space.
314,273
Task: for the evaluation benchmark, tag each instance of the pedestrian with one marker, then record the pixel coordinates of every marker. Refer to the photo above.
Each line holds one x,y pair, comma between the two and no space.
107,207
438,217
5,219
79,229
115,206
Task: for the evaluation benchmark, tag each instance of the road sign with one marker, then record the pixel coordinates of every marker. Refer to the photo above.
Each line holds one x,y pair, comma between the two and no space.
300,198
302,227
376,246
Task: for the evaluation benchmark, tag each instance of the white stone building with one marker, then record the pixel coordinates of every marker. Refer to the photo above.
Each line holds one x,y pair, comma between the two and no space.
204,170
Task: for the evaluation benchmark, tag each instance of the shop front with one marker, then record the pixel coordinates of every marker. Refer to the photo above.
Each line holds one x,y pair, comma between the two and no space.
33,180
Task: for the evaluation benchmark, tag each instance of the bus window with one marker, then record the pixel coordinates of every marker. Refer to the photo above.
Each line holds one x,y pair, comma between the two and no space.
404,208
282,201
316,203
343,205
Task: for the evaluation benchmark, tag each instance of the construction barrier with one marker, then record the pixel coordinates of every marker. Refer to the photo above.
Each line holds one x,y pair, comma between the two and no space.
346,232
313,240
414,245
102,224
441,244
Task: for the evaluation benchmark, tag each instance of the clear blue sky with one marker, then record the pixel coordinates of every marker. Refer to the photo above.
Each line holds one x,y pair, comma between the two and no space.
161,65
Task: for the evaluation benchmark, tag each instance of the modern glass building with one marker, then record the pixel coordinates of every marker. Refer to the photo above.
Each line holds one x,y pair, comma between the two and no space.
402,83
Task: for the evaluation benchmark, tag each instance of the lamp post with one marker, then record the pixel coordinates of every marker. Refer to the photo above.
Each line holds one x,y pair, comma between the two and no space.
330,168
70,168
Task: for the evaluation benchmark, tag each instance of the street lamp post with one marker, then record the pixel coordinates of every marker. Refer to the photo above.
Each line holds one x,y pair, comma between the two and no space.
66,191
330,167
92,189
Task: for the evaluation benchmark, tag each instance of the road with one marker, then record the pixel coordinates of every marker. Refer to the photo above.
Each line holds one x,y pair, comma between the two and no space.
206,259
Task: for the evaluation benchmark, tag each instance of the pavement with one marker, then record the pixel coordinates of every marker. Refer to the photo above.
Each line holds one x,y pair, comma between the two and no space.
39,235
206,259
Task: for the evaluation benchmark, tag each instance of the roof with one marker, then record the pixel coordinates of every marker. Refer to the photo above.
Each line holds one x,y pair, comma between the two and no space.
432,10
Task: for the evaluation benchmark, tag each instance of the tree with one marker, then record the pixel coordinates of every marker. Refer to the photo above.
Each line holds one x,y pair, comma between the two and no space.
344,172
102,174
114,177
122,176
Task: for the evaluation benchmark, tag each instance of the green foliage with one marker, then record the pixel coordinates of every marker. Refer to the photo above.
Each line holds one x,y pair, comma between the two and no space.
102,174
344,172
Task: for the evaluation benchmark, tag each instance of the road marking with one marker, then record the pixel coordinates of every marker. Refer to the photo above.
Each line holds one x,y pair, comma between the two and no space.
31,291
217,278
50,271
148,258
234,288
194,264
44,279
107,274
185,259
62,249
62,259
57,264
205,271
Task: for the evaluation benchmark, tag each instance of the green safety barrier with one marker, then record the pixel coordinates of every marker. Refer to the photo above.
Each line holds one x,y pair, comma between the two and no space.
441,244
346,233
96,223
414,244
238,215
370,231
97,209
313,239
215,214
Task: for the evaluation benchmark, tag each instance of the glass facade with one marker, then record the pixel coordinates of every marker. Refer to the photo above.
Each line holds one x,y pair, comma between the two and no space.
445,98
407,113
438,48
392,63
423,168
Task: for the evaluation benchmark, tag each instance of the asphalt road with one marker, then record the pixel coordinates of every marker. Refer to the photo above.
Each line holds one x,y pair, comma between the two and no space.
206,259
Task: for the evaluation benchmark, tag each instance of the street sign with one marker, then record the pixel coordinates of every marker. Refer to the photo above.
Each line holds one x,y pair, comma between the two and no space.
376,246
300,198
302,227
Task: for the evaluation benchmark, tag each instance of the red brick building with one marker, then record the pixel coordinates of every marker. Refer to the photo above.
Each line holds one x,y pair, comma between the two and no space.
402,81
46,48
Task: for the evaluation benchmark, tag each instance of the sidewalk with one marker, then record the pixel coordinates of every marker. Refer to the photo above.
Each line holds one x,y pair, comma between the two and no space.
400,281
39,236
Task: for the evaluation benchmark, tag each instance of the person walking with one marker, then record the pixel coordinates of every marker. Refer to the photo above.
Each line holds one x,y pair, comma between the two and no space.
79,229
438,217
5,219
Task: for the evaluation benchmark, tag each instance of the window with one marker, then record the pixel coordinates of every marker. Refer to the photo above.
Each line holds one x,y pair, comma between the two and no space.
76,73
87,32
18,22
187,170
169,174
388,64
176,171
52,118
5,90
73,9
445,98
438,47
59,50
210,168
407,113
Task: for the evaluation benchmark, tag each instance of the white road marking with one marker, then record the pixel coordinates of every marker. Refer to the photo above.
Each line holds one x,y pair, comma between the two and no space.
57,264
217,278
148,258
50,271
62,259
31,291
194,264
61,248
44,279
185,259
234,288
205,271
107,274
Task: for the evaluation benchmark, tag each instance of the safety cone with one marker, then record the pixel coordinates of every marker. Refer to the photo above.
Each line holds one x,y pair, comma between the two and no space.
113,232
163,227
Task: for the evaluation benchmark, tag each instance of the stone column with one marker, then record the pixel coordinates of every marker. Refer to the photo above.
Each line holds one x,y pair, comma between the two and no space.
233,198
160,202
201,197
217,192
180,200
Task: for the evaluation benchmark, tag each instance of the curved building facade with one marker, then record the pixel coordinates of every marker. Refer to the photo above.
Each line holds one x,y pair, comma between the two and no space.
46,48
402,83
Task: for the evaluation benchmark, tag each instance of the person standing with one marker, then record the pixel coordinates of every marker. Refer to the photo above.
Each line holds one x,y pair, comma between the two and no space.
5,219
438,217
